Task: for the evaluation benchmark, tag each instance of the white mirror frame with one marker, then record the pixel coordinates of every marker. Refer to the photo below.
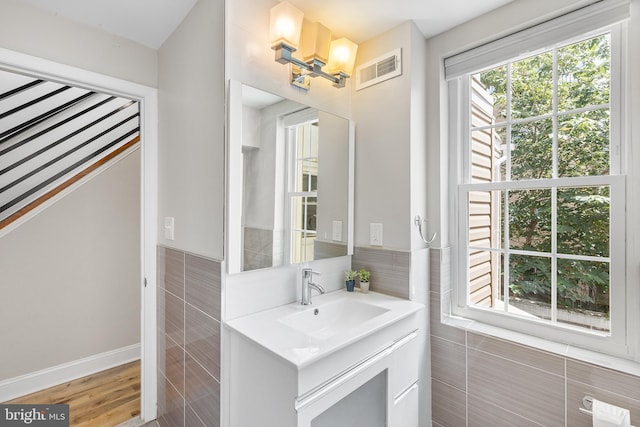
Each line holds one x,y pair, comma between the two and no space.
234,184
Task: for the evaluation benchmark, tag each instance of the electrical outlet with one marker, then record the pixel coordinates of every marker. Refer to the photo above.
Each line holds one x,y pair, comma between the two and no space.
375,234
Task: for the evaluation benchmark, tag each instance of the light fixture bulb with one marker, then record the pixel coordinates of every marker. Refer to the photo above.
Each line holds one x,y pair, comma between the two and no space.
315,42
285,25
342,56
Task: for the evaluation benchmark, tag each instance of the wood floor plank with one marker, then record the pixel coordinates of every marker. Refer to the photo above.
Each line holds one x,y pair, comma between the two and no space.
103,399
122,413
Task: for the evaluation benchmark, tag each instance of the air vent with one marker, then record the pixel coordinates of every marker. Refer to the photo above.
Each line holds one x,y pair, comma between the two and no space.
380,69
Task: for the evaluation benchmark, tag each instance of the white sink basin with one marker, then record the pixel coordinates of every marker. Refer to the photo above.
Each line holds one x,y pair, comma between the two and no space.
300,335
329,319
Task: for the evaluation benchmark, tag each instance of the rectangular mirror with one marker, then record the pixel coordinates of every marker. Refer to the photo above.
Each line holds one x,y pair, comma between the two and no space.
290,179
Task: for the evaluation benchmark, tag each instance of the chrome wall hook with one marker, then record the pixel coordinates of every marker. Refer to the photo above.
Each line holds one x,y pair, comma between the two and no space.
418,221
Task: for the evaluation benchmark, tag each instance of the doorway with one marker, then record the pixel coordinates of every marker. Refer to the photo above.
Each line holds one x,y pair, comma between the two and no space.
147,97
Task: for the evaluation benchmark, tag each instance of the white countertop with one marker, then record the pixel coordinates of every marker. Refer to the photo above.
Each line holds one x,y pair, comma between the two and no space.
299,348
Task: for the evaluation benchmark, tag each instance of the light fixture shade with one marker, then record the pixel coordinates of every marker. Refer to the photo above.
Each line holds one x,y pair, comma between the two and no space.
315,42
286,25
342,56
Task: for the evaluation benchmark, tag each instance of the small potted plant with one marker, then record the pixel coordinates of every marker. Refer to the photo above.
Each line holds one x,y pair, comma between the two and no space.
350,279
364,276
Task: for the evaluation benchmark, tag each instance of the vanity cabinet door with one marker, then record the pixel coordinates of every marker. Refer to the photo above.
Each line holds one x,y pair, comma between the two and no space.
347,398
405,408
405,364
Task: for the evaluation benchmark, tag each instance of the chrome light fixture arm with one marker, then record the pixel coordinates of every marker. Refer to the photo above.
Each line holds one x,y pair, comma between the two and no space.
284,55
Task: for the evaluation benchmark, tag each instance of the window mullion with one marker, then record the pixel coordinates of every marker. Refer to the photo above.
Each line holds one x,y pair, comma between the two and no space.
554,191
507,274
554,254
554,106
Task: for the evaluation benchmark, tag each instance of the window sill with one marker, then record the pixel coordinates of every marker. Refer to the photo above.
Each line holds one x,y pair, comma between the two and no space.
564,350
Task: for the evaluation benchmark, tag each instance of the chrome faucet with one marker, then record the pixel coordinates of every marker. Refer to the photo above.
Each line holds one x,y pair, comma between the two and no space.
307,285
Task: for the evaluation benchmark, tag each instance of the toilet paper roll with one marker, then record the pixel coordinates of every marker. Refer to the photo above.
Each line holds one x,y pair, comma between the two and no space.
607,415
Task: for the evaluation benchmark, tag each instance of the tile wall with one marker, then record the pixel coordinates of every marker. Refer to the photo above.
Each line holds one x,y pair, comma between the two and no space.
482,381
390,270
189,298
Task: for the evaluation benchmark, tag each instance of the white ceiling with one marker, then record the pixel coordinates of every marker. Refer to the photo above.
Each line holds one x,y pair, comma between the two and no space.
150,22
360,20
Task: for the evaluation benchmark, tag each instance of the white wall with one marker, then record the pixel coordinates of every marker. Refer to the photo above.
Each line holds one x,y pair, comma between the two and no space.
191,117
40,33
70,275
418,145
390,120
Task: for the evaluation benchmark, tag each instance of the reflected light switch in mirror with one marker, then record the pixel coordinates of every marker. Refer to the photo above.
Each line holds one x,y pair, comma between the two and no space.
169,227
337,231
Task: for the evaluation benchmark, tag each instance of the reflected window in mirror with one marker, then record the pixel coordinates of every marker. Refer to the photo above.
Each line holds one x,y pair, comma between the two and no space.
302,142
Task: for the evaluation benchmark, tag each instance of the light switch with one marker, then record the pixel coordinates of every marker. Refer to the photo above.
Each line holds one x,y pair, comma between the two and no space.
337,231
169,227
375,234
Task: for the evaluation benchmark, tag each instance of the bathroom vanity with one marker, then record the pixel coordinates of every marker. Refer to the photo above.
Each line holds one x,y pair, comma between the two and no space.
347,359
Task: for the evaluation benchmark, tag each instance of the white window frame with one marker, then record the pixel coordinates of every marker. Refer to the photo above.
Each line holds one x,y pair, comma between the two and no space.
619,343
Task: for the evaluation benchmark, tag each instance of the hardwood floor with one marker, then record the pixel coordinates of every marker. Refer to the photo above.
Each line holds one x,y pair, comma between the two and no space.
104,399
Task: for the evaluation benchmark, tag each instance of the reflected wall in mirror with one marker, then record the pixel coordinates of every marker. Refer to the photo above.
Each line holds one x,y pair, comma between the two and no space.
289,182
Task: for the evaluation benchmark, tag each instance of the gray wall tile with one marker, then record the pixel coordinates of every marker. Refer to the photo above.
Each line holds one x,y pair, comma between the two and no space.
518,353
171,407
603,378
203,284
448,363
484,414
191,419
202,393
203,339
389,270
449,333
189,296
174,317
173,272
174,364
448,405
537,395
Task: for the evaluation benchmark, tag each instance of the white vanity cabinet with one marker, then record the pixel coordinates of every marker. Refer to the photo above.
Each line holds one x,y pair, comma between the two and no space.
317,375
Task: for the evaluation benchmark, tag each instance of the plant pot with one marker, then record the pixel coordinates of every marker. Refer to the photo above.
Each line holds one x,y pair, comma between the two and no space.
364,287
350,285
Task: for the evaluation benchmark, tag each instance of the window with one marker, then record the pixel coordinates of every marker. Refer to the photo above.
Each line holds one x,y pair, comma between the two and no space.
541,189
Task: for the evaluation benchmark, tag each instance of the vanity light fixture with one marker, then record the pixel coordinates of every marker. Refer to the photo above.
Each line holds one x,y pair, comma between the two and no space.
308,47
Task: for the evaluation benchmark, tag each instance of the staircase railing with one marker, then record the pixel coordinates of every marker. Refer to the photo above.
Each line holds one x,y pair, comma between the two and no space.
53,135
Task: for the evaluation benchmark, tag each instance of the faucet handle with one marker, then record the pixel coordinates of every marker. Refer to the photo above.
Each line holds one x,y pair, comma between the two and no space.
308,272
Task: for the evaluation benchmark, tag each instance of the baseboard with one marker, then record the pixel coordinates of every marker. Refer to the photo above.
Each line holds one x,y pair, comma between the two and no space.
40,380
